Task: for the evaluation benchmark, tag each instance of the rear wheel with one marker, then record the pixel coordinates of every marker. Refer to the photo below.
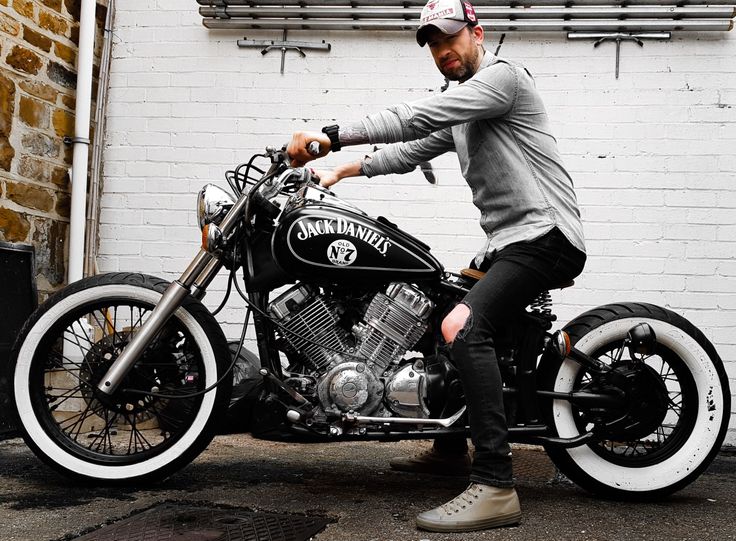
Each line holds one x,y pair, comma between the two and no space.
677,410
155,423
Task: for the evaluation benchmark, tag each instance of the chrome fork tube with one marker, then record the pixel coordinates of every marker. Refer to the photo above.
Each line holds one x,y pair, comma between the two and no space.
199,274
199,287
169,303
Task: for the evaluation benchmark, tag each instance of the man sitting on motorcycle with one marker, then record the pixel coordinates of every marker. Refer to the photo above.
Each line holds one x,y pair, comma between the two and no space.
496,123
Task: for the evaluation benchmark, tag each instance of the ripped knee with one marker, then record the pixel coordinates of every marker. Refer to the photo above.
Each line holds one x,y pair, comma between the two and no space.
457,323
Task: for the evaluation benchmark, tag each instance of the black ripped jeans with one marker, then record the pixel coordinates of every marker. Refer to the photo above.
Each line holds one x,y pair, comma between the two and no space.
514,276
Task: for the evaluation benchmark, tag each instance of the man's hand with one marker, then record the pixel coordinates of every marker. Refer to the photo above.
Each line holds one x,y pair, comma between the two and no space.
327,178
298,147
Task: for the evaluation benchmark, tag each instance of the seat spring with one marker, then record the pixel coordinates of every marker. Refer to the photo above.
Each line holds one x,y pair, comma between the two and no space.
542,304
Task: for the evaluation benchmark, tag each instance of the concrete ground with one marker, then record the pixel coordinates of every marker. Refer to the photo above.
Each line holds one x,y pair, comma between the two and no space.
351,484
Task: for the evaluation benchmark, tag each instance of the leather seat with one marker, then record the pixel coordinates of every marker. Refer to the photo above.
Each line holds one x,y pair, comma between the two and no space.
476,275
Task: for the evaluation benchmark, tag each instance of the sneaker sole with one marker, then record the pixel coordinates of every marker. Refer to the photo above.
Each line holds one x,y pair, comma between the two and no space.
512,519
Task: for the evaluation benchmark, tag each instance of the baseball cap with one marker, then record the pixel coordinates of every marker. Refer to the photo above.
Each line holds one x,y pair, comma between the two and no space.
449,16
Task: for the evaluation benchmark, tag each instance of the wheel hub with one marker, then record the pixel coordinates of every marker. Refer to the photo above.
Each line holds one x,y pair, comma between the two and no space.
96,363
646,402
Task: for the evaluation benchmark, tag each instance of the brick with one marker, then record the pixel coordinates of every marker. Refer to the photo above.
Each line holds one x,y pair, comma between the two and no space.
63,123
25,60
40,144
73,8
52,23
49,238
36,39
8,25
100,14
7,105
60,176
24,7
63,205
66,53
42,171
14,226
53,4
39,90
69,102
30,196
34,113
7,153
61,75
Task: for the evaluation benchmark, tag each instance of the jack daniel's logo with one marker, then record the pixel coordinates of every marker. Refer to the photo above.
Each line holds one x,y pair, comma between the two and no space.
340,226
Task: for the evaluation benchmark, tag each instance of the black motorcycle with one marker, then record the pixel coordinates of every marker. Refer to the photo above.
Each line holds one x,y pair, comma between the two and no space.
125,377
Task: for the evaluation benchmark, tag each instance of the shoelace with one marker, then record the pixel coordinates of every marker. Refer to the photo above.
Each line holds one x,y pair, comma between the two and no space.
463,500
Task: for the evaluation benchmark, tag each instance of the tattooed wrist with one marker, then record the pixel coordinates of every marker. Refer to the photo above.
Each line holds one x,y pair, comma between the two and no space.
353,134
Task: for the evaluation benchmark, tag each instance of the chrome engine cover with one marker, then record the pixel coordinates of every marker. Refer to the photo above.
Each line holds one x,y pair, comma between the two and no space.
406,391
350,386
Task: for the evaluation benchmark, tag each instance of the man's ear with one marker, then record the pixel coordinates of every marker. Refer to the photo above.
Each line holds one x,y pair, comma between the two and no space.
478,33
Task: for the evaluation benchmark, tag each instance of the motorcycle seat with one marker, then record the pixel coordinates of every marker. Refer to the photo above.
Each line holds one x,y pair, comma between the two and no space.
475,275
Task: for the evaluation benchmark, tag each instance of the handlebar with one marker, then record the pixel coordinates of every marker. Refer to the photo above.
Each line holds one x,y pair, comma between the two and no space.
314,148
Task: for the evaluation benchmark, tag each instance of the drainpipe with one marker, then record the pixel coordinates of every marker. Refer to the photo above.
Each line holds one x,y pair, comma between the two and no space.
95,169
80,158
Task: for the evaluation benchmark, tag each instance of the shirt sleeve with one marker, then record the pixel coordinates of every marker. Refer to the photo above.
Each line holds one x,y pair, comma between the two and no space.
404,157
490,93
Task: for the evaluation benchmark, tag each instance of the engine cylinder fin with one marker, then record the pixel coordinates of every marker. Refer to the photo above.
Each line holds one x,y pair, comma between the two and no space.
393,324
317,322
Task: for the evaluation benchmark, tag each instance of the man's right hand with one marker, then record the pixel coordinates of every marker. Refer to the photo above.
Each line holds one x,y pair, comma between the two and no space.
298,147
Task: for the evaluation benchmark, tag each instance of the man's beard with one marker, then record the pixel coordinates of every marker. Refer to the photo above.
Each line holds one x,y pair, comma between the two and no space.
464,71
460,73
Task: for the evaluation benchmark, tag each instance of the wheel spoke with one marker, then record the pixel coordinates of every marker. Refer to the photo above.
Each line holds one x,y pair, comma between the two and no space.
76,427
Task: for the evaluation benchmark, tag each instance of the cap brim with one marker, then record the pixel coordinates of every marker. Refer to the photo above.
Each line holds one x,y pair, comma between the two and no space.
446,26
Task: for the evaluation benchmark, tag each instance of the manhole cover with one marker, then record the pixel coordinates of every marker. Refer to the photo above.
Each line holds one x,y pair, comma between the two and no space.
173,522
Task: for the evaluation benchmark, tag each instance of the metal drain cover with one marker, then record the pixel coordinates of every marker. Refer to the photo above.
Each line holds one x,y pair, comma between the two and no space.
176,522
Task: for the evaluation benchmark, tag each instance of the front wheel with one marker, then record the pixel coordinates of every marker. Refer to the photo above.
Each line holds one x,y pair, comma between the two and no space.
677,412
157,421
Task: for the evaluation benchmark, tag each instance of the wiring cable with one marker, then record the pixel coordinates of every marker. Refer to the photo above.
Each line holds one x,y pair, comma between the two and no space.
236,356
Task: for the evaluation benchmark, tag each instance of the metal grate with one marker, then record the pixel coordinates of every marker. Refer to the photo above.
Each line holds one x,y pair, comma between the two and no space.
185,522
497,15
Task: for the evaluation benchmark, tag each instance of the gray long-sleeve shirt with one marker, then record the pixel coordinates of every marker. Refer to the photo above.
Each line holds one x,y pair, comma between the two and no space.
497,124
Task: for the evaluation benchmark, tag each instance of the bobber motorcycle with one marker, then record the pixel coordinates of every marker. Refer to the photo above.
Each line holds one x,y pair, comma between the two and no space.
124,377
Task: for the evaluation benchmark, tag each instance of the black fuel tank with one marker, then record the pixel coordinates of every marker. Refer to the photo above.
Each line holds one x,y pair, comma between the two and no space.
324,242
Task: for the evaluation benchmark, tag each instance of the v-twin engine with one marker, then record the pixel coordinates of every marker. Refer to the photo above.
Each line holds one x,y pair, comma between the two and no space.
357,364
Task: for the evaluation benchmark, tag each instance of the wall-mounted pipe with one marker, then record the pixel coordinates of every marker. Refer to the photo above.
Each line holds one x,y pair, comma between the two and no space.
80,158
95,170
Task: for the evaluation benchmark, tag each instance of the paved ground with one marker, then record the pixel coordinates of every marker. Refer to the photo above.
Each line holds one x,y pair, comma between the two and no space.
351,484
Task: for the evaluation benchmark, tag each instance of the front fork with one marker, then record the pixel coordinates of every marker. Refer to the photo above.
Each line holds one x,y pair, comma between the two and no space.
200,273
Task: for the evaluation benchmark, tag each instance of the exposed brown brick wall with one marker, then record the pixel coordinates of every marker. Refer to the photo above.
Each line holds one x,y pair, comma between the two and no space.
38,54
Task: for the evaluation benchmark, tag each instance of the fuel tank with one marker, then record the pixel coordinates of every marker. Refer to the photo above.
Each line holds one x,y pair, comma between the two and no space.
322,238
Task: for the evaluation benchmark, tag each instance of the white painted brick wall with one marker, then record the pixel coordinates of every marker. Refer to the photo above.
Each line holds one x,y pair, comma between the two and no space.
653,154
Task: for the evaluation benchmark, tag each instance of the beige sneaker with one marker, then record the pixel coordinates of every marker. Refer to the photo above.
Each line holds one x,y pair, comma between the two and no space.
478,508
433,462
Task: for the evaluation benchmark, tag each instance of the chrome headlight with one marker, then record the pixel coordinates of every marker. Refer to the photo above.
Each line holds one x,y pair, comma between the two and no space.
212,204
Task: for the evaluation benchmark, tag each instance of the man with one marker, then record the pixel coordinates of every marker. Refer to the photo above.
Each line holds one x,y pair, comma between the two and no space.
496,123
